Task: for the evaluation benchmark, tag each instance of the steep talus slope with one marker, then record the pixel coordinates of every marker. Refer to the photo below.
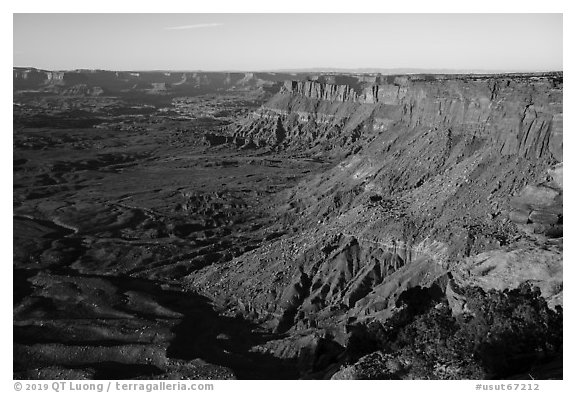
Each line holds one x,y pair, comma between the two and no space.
435,175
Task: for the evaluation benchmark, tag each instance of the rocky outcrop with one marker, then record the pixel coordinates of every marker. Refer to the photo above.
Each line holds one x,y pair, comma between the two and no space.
507,269
376,365
538,208
539,204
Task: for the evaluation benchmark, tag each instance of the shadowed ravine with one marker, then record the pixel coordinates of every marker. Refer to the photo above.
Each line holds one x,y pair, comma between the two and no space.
200,333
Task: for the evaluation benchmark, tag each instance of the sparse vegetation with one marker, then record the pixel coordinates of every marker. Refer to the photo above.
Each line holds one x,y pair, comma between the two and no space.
502,333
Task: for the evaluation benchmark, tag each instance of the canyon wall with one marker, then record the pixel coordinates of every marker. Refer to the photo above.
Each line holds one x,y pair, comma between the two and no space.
432,173
125,82
517,115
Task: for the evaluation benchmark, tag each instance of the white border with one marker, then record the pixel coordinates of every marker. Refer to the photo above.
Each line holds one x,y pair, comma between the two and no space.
305,6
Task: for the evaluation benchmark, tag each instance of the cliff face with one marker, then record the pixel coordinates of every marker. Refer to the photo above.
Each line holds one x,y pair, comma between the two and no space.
439,175
517,115
320,91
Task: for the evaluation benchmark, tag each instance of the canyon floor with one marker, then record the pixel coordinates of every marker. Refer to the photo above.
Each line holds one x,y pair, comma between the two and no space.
289,233
105,222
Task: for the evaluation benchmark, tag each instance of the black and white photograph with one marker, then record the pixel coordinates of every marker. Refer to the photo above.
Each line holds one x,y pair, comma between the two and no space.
287,196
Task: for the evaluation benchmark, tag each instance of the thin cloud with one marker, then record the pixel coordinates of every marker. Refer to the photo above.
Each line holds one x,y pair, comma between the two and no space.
197,26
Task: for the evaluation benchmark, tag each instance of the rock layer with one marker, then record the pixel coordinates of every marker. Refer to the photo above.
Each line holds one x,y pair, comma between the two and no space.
519,116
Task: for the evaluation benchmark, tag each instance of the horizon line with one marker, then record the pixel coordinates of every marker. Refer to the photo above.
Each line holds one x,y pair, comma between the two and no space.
360,70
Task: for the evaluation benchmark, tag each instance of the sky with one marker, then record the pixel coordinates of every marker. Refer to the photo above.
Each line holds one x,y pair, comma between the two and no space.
255,42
